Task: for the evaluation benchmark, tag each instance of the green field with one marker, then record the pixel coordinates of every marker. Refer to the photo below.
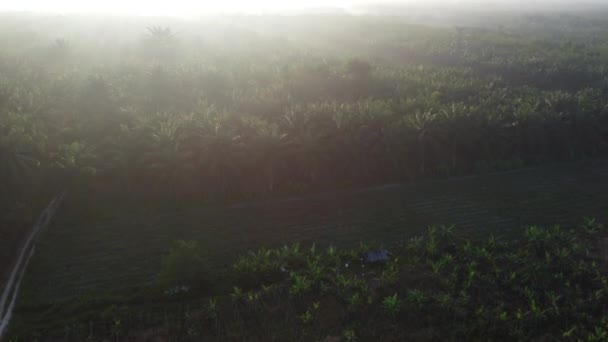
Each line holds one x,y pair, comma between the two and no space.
125,250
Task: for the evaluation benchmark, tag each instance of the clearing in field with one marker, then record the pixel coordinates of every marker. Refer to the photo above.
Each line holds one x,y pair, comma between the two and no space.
76,257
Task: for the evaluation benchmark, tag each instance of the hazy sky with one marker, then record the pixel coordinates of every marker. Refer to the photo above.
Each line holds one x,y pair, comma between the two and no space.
171,7
197,7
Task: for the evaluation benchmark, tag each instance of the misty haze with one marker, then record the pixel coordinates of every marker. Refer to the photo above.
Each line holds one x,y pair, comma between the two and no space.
303,170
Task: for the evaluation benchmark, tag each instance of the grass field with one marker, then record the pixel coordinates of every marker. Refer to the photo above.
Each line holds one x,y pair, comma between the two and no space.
125,250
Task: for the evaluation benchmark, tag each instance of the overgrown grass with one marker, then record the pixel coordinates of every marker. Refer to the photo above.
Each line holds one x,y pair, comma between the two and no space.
549,285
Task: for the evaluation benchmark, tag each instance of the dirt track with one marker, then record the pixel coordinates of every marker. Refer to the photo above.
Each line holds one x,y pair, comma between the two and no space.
126,250
12,240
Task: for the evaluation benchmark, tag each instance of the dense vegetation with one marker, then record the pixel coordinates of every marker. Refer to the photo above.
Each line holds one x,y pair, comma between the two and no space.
549,285
241,111
124,110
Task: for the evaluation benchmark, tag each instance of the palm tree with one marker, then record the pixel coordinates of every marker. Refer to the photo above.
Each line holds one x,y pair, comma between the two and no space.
76,158
270,148
215,148
160,34
429,137
461,133
19,143
59,52
14,169
160,43
342,147
163,157
308,132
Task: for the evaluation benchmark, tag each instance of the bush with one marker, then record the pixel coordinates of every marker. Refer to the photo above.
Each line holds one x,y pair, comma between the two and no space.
185,265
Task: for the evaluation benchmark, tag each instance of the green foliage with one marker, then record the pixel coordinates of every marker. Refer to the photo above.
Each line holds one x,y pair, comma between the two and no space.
237,294
549,284
392,305
349,335
311,313
185,265
390,273
300,285
243,121
416,296
212,309
196,113
591,226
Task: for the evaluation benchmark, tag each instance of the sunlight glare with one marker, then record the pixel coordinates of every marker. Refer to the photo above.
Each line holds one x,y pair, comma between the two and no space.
176,7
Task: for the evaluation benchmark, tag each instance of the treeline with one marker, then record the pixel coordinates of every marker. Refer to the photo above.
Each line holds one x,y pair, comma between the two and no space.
278,118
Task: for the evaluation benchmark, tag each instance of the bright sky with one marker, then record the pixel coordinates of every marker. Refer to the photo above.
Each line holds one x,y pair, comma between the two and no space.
198,7
166,7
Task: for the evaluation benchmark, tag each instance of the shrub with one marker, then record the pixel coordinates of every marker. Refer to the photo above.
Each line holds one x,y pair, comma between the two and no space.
392,305
185,265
